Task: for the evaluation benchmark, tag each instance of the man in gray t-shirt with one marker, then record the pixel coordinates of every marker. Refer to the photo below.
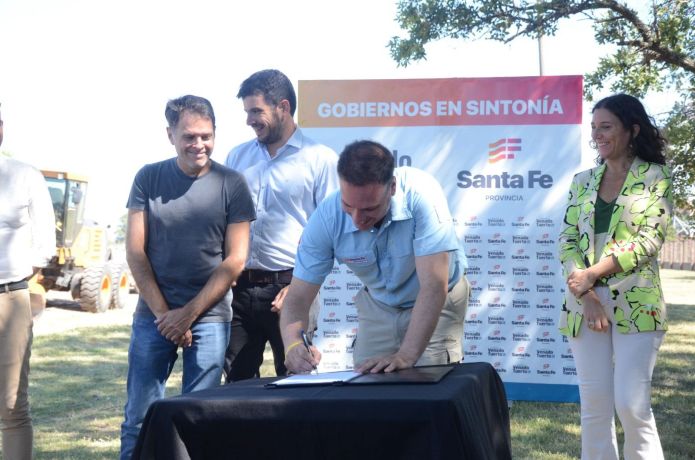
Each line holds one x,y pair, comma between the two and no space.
187,241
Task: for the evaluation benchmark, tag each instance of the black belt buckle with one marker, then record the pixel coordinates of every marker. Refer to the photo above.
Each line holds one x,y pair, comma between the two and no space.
14,286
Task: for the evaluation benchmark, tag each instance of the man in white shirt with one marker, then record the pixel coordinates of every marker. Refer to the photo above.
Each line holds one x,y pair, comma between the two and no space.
27,242
289,175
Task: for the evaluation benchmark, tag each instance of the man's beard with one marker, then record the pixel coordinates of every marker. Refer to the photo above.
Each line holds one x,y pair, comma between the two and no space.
274,132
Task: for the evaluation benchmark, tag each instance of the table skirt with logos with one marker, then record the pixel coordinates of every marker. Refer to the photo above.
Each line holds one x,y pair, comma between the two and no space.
464,416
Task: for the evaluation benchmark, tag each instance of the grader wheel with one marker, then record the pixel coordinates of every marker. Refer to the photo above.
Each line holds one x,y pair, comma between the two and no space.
120,285
95,289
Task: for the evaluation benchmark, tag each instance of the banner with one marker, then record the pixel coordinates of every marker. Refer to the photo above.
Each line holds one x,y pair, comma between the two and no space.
504,151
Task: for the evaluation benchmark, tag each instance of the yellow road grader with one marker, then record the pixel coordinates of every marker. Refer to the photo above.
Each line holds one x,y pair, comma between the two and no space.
83,263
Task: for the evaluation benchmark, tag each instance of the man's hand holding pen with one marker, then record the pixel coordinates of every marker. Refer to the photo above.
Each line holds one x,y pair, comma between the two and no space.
301,356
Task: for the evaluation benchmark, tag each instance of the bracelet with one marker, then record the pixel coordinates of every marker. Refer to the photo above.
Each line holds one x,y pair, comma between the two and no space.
292,345
584,293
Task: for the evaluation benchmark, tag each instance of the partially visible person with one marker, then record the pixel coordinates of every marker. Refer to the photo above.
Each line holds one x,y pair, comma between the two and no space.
393,229
289,174
614,312
27,243
186,243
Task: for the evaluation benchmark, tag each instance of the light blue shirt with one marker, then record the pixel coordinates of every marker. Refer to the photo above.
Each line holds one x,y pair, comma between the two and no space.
286,189
418,223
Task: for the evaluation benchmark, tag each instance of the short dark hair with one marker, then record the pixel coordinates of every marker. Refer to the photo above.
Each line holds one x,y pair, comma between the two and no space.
366,162
195,104
649,144
273,85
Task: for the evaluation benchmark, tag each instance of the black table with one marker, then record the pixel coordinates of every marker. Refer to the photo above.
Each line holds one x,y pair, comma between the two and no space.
464,416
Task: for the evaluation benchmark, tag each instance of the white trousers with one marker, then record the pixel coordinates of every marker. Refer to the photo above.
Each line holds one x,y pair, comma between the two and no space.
615,375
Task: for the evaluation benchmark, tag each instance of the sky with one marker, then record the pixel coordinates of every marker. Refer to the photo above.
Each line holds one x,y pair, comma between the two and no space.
83,83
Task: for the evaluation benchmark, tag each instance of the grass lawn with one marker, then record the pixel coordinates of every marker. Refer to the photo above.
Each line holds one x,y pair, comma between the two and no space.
77,391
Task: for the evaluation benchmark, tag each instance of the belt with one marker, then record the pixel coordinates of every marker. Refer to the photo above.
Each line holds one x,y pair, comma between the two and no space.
266,277
15,286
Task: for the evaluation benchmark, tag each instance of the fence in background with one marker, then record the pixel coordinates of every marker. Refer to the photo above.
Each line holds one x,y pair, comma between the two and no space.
678,254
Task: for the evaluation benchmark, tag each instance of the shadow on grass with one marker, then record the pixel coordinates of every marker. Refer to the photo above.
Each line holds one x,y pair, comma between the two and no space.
551,431
673,385
78,391
70,305
545,430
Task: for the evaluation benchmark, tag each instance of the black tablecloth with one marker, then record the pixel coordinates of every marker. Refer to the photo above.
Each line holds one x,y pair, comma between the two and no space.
464,416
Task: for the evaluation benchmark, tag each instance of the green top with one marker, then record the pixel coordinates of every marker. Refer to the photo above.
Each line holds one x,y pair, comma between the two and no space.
604,211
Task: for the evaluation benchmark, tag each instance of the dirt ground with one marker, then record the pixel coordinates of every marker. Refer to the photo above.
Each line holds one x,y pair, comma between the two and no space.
62,314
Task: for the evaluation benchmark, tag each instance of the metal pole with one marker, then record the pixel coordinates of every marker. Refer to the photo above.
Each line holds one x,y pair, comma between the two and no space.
540,55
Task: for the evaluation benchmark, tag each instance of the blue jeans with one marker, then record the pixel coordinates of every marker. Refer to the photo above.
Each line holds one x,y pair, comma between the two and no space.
151,358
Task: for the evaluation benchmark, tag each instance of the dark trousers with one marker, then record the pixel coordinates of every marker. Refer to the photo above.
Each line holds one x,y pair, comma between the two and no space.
253,325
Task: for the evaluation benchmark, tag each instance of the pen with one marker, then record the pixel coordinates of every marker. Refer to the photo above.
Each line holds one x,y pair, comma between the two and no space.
307,344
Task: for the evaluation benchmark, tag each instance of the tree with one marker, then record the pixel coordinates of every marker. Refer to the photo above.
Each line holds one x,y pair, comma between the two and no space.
651,54
120,232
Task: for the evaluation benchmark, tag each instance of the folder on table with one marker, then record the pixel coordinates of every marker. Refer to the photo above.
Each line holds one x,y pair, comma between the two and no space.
422,374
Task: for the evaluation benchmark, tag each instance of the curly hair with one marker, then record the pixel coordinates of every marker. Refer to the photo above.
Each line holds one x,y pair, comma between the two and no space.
649,144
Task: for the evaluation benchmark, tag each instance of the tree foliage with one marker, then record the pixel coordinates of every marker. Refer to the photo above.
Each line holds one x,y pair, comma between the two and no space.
653,51
121,228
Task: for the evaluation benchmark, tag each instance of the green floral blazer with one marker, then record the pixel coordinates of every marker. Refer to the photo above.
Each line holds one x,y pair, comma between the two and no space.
637,230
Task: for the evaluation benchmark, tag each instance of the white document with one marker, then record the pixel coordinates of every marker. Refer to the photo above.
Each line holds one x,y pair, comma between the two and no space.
325,378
